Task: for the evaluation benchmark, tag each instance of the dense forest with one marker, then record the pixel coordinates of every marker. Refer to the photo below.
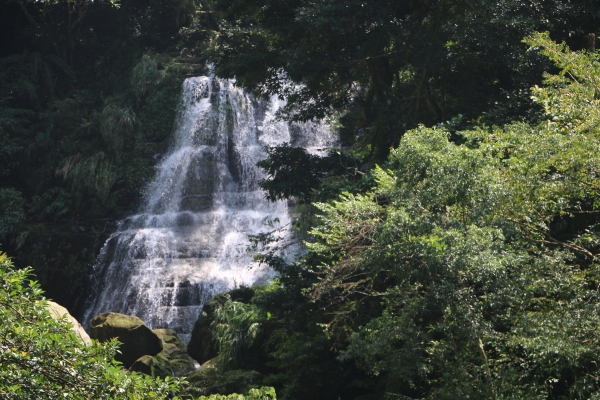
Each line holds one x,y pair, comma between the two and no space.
451,240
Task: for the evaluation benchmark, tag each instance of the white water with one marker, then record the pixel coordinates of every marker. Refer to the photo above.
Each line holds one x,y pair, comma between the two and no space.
190,240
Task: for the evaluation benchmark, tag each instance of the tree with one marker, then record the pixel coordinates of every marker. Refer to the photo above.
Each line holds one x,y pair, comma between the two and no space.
265,393
489,284
42,358
470,268
293,172
395,64
81,130
59,20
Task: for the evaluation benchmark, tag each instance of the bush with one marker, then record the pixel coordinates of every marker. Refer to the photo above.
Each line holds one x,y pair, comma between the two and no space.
42,358
265,393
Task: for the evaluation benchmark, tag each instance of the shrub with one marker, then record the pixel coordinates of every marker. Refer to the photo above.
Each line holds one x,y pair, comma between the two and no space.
42,358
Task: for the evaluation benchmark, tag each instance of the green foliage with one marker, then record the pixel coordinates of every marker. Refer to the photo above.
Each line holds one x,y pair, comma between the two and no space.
464,267
42,358
301,363
235,327
293,172
264,393
469,269
485,295
88,94
40,67
92,177
116,123
217,379
102,71
389,66
12,213
145,76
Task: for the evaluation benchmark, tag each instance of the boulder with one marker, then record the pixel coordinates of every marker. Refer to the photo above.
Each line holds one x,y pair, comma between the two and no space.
136,338
57,312
212,378
171,361
145,365
202,346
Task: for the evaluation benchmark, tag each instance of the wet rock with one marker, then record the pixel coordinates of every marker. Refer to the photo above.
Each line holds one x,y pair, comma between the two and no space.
57,312
136,338
184,219
202,346
171,361
145,365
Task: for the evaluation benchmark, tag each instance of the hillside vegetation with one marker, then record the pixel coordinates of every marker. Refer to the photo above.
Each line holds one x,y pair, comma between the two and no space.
452,242
465,266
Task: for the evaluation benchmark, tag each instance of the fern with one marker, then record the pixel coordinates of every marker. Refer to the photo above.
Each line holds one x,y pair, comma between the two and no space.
236,326
117,122
145,76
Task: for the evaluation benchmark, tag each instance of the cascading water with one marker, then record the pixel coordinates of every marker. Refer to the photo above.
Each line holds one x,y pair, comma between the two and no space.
190,241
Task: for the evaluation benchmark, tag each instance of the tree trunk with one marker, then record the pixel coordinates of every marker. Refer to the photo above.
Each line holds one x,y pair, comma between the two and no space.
382,76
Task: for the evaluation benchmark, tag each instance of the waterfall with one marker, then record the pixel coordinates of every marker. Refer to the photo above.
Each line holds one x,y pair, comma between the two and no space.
189,241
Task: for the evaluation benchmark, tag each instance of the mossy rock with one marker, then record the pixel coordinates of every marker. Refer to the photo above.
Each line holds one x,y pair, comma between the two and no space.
136,338
211,378
171,361
202,346
145,365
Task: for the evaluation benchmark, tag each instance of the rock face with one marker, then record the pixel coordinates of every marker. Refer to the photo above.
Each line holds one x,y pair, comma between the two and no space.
136,338
212,378
202,346
171,361
57,312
